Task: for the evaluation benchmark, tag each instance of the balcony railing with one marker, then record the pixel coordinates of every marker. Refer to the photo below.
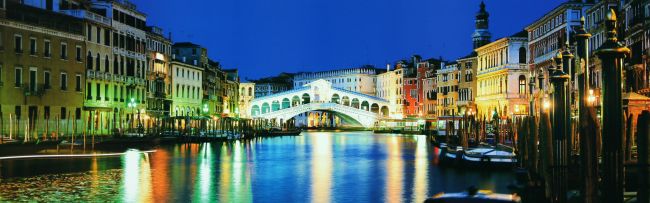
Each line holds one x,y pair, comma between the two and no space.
90,74
88,15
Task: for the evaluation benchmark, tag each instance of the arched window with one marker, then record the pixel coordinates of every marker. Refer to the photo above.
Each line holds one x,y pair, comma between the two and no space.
250,91
522,55
89,61
98,63
106,66
522,84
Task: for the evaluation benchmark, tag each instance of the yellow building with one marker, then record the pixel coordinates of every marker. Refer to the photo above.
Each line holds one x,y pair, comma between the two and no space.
41,72
503,77
448,77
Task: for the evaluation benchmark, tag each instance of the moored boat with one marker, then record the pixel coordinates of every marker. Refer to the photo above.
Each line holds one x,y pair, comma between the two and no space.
490,156
474,195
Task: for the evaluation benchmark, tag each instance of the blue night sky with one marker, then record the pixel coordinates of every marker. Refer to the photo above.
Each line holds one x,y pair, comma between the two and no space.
265,37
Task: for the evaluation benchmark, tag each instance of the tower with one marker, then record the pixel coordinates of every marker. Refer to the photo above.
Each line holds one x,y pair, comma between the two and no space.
481,34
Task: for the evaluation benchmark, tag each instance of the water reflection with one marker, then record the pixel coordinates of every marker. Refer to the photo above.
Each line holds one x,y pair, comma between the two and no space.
136,178
315,167
321,171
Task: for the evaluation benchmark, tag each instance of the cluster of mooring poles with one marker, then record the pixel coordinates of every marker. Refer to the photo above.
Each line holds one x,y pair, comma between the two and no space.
569,155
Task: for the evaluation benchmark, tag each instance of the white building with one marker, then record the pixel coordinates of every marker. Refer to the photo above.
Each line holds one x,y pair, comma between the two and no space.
186,89
246,96
503,77
389,87
360,80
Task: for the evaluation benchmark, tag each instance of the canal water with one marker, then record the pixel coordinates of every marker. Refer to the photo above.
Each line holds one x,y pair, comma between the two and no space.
314,167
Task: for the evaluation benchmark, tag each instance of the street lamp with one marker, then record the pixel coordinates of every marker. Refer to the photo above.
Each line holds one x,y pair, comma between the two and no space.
591,98
132,106
547,104
205,108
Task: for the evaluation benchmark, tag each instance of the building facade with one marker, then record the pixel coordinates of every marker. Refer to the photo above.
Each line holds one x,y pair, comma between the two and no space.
503,77
159,78
41,71
549,34
389,87
448,78
246,96
231,93
354,79
187,94
636,29
430,90
129,56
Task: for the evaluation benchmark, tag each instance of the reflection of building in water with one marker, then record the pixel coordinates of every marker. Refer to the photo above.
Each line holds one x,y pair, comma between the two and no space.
322,168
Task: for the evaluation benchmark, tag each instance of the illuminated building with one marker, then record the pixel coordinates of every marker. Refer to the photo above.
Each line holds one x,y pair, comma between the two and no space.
503,77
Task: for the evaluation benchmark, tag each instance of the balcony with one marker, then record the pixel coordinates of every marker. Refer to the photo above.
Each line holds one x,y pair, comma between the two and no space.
99,75
90,74
39,90
83,14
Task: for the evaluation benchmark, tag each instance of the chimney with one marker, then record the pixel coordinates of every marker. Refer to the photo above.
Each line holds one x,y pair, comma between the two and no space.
387,67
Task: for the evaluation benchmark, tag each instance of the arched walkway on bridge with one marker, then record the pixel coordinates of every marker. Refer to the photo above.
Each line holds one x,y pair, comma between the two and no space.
255,110
266,108
384,111
355,103
275,106
286,103
365,106
305,98
346,101
374,108
336,99
295,101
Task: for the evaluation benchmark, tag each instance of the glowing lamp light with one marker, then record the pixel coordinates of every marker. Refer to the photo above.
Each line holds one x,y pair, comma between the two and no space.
591,98
546,105
160,56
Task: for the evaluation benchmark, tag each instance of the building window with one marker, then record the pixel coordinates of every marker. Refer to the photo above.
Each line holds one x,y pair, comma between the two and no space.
64,51
99,35
46,112
78,56
18,112
522,55
522,84
89,32
89,94
46,49
18,44
98,90
106,97
18,79
78,85
63,113
77,113
46,79
32,46
0,75
32,79
107,37
64,81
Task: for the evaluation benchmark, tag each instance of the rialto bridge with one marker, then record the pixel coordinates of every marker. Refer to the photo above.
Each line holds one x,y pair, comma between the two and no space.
320,96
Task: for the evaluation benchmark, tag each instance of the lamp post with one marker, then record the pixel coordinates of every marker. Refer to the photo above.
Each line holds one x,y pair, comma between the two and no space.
611,53
132,105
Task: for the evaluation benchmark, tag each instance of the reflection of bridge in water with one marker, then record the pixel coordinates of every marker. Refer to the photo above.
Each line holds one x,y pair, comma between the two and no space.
321,96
